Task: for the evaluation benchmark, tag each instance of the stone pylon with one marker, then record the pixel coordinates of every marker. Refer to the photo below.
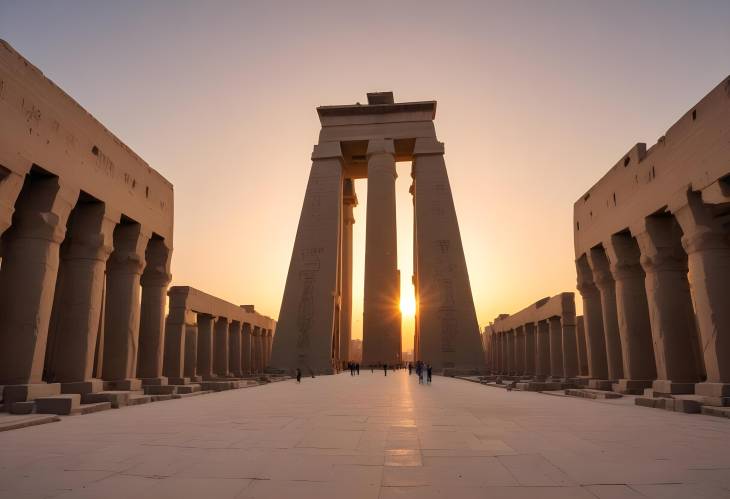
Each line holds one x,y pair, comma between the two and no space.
365,142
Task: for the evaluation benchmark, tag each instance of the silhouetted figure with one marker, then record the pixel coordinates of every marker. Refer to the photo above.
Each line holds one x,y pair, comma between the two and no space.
357,368
385,369
410,369
428,371
299,375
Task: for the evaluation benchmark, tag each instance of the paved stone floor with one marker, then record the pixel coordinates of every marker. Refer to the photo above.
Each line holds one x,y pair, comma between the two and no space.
371,437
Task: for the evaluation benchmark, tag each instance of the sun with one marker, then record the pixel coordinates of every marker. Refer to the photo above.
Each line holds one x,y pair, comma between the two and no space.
408,304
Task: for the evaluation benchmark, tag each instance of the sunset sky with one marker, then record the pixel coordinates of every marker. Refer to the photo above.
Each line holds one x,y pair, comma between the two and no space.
536,101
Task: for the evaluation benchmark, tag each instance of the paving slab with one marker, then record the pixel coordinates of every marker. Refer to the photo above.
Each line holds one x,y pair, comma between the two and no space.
372,437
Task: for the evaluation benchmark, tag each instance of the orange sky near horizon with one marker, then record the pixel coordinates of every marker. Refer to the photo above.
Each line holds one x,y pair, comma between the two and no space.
536,101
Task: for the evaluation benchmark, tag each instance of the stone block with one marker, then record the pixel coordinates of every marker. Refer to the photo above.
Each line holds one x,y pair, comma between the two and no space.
688,406
723,412
62,404
25,407
117,399
136,399
83,387
666,387
185,389
178,381
191,394
592,394
22,393
131,384
160,389
161,398
657,403
159,381
631,386
91,408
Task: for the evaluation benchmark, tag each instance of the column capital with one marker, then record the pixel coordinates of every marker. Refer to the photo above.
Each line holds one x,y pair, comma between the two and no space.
600,266
700,230
658,239
585,284
130,243
380,146
42,213
91,234
624,256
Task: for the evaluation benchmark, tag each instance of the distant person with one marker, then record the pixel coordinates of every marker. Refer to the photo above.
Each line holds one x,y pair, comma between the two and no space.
428,371
357,368
419,371
352,368
410,369
385,369
299,375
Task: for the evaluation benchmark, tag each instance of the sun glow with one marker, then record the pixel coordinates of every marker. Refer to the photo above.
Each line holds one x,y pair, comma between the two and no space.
408,304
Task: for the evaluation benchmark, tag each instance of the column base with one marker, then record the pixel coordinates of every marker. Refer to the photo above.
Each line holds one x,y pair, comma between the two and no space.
631,386
715,394
178,381
158,381
128,385
23,393
83,387
666,387
600,384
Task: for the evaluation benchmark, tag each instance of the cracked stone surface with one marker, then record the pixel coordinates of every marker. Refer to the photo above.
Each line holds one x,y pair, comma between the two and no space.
371,437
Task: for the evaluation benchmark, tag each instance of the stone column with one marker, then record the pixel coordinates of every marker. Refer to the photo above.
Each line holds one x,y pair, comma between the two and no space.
381,318
542,359
670,305
607,287
191,351
580,336
349,202
121,327
205,346
234,349
556,348
155,280
448,328
707,244
306,321
570,349
78,303
519,351
28,274
220,347
593,323
179,321
633,315
510,351
269,342
246,360
256,349
530,343
501,354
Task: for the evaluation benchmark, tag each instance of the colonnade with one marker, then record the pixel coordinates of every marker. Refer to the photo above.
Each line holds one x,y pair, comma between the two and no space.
653,261
86,231
208,338
540,342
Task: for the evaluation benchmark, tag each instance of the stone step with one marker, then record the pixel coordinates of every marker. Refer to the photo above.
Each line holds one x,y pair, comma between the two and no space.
686,405
136,399
63,404
592,394
723,412
191,394
13,422
21,408
219,386
186,389
116,398
91,408
160,389
540,386
161,398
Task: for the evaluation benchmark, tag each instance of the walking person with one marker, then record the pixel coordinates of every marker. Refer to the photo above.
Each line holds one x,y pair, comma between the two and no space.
410,369
428,371
385,369
299,375
357,368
